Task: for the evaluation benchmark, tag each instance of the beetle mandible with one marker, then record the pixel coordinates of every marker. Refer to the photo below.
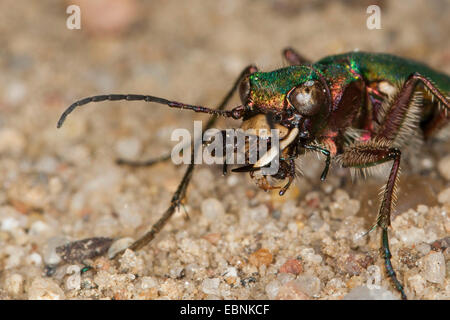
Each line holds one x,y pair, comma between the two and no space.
357,108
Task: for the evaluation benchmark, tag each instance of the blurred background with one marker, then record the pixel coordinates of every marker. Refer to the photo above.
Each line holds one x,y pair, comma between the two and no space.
64,183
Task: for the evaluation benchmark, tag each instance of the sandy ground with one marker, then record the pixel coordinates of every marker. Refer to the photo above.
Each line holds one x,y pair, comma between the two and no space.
63,185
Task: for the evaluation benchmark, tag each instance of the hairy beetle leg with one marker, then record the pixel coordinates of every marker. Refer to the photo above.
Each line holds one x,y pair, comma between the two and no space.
371,153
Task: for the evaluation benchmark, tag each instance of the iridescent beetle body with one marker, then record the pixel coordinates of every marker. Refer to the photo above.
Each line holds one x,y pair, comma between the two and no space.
356,108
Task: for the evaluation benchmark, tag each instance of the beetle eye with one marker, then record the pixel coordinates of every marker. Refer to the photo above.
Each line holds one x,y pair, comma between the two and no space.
307,98
244,90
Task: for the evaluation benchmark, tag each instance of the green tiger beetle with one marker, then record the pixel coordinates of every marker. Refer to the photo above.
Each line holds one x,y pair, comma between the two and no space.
358,109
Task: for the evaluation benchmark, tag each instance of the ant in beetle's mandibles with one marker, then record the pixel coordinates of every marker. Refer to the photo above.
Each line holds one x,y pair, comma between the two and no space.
356,108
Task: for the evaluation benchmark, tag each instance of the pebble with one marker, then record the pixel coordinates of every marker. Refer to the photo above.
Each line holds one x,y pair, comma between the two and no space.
45,289
128,212
292,266
272,289
423,248
50,255
34,259
364,293
128,148
11,141
119,245
444,167
261,257
212,209
434,267
146,283
14,284
417,283
39,228
211,286
309,255
73,282
11,219
291,291
15,255
308,284
444,196
344,207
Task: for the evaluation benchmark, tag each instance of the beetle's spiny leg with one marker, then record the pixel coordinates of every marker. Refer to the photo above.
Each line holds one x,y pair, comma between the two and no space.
373,152
393,118
294,58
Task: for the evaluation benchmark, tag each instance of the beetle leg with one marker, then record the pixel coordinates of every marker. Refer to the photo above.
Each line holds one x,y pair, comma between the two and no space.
371,153
181,190
146,163
291,176
327,154
294,58
394,114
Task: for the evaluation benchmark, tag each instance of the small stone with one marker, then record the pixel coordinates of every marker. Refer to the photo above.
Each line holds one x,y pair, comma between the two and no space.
444,167
14,284
131,263
444,196
315,221
34,259
434,267
73,282
129,213
211,286
417,283
39,228
50,255
308,284
309,255
45,289
344,208
272,289
284,278
292,266
11,141
118,246
291,291
364,293
128,148
212,238
261,257
146,283
423,248
212,209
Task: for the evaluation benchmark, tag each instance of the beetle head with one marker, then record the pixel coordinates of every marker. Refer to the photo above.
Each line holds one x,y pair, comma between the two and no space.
298,95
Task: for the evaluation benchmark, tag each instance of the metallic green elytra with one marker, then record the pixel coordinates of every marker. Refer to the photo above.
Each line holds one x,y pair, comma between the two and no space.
358,109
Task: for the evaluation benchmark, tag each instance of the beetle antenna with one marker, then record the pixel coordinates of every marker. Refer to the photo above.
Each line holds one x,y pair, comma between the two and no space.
236,113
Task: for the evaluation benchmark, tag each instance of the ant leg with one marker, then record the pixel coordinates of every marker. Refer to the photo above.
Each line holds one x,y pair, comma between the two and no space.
294,58
146,163
181,190
373,152
394,115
